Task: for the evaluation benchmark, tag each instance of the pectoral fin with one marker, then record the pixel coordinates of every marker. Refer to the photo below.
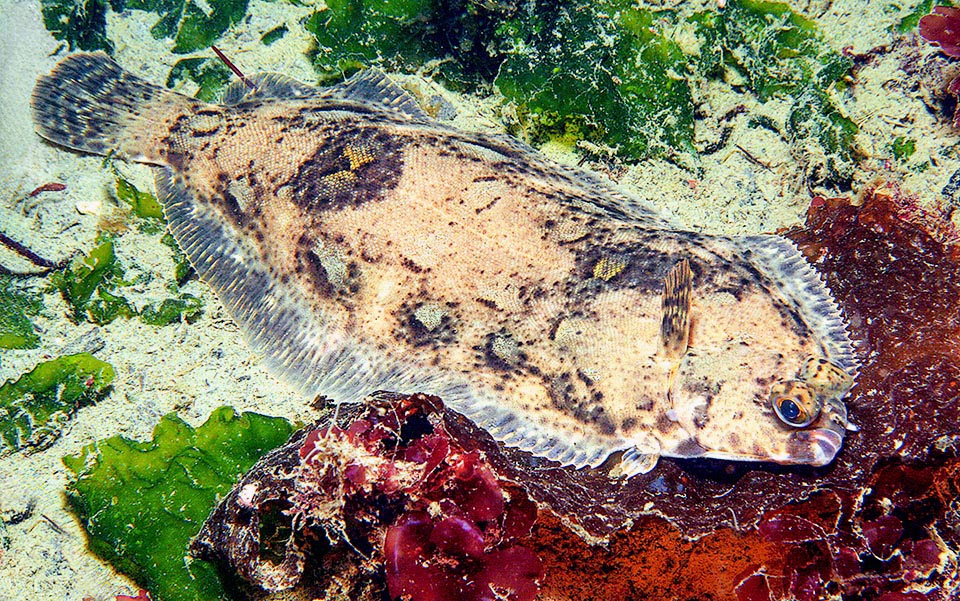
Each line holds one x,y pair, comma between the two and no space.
675,308
636,461
675,320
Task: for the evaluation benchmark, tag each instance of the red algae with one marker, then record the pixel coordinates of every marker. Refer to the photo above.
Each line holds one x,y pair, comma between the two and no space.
942,27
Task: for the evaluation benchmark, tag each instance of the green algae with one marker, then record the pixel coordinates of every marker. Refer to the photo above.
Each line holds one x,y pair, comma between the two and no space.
191,27
17,305
611,72
185,307
93,285
210,75
144,205
351,34
182,270
608,71
36,407
614,79
903,148
622,77
911,21
88,285
273,35
141,502
82,24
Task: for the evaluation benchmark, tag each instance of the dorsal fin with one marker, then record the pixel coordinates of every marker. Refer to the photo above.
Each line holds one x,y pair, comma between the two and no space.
369,85
267,85
373,85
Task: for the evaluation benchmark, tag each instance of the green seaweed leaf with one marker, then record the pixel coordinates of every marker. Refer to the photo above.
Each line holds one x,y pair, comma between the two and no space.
82,24
17,306
183,271
144,205
36,407
352,33
141,502
903,148
201,27
93,287
88,285
211,75
273,35
615,79
185,307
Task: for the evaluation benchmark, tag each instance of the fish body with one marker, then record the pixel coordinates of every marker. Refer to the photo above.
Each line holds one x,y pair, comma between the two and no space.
362,246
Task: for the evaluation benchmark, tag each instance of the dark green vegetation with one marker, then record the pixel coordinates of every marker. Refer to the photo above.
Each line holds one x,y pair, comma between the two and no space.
208,73
18,303
93,285
606,71
36,407
143,204
89,285
141,502
82,23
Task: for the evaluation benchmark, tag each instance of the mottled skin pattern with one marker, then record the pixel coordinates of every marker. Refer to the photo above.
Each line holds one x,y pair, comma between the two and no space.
528,295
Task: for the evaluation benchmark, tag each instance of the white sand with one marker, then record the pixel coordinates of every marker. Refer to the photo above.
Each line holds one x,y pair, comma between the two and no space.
195,368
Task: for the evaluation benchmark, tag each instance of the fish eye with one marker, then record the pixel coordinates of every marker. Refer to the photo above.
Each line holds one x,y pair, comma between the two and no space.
794,403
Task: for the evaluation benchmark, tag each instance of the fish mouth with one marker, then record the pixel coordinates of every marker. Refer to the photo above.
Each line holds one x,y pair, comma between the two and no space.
817,447
818,444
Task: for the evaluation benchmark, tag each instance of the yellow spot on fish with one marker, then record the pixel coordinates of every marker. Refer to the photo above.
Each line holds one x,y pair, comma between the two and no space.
358,156
608,268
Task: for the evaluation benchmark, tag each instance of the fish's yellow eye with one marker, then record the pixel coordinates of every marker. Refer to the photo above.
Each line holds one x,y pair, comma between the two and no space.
794,403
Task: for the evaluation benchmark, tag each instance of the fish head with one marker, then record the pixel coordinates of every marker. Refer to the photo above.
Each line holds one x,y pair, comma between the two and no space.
749,393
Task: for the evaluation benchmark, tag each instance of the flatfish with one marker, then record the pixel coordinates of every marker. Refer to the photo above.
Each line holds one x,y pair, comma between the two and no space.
362,246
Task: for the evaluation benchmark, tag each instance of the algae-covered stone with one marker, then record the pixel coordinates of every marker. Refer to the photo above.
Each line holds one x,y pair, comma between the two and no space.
141,502
36,407
17,305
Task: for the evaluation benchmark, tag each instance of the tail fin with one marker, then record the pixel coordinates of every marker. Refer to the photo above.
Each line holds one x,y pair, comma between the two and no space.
87,101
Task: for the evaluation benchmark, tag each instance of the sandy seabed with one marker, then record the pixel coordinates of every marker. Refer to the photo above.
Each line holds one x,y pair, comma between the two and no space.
194,368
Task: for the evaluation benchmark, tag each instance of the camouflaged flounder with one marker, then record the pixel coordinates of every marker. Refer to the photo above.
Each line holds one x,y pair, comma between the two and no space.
362,246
